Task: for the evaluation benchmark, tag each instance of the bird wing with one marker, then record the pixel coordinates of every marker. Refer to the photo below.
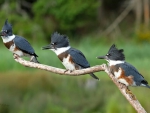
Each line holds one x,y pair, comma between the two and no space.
78,58
131,70
24,45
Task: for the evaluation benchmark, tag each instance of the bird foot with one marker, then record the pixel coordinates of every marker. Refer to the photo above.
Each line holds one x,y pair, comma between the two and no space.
130,94
121,85
106,68
15,56
68,70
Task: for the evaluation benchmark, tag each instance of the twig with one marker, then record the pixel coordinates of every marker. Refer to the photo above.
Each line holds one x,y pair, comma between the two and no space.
134,102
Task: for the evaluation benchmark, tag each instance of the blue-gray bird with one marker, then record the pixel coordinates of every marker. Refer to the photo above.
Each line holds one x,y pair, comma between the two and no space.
17,44
71,58
124,72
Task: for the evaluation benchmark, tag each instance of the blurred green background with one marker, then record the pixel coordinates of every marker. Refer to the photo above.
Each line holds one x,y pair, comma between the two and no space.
92,27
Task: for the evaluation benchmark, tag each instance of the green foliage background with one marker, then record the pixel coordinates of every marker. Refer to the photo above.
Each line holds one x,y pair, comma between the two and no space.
28,90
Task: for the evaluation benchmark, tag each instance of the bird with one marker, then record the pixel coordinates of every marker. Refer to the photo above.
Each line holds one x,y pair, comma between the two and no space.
17,44
71,58
124,72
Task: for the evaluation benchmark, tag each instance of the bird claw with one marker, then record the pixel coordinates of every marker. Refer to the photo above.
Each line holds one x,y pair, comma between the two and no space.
106,68
68,70
121,85
15,56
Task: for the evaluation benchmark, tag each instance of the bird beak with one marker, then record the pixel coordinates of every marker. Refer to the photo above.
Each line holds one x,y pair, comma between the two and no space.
102,57
50,46
2,33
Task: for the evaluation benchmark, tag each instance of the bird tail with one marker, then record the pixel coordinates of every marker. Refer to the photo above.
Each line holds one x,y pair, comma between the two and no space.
34,59
94,76
146,85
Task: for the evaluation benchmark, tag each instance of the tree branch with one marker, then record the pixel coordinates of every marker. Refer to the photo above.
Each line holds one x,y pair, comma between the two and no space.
134,102
58,70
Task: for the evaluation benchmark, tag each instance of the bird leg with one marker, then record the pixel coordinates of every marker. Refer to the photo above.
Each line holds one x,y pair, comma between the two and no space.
31,59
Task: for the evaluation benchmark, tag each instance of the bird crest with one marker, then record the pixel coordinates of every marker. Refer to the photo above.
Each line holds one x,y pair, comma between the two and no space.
116,54
59,40
7,26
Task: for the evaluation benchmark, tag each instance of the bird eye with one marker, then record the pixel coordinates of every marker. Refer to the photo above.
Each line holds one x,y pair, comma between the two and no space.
6,31
53,43
108,55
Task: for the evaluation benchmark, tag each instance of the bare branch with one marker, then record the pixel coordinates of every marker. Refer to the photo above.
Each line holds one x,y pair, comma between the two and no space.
134,102
58,70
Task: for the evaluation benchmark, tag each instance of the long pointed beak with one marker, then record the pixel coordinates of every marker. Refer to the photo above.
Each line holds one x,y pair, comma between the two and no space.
2,33
101,57
47,47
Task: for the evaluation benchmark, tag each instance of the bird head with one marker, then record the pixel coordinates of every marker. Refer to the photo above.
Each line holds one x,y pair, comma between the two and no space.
6,29
57,41
113,54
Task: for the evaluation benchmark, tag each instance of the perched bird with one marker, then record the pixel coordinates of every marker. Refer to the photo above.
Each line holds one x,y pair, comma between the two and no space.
17,44
124,72
71,58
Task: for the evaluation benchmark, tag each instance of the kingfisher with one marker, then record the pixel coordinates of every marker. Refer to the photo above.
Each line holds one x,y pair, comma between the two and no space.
17,44
71,58
124,72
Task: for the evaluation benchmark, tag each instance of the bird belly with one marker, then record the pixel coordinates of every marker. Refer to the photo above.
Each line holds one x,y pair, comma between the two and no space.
118,73
123,81
122,78
68,65
14,49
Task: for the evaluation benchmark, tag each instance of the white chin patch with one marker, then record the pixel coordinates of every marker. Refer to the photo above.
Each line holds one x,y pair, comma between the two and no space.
8,38
113,62
60,50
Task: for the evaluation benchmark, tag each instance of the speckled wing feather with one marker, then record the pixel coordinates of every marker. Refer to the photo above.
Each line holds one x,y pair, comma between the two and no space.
78,58
24,45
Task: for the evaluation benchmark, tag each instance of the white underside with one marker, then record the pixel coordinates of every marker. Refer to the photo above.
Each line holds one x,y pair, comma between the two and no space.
117,75
60,50
67,64
123,81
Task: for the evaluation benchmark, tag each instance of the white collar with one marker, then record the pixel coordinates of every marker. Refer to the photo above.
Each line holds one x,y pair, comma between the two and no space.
115,62
8,38
60,50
